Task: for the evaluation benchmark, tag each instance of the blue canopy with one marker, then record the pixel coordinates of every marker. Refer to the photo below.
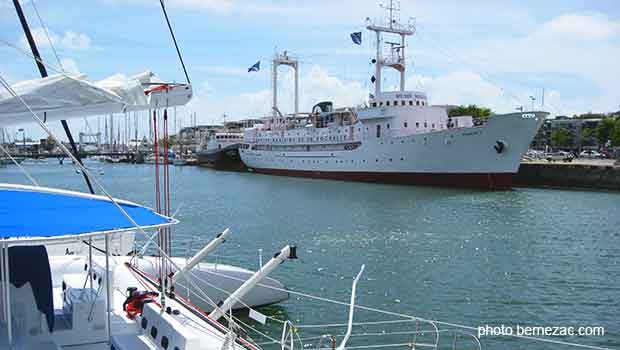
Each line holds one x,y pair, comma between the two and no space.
33,212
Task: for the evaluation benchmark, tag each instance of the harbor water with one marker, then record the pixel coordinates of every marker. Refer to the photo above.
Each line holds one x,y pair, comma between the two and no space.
529,257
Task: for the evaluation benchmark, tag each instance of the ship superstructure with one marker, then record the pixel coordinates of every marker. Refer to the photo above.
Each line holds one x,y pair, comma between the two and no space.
397,137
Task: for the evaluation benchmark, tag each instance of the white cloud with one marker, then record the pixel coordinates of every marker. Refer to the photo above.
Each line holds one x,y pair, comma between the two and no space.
75,41
70,39
579,27
582,48
465,87
462,88
210,5
70,66
314,86
221,70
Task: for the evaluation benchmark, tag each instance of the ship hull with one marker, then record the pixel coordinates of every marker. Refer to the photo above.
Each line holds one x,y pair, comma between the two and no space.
459,157
226,158
491,181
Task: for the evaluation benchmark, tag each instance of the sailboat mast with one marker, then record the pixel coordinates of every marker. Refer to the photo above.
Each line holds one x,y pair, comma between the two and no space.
43,72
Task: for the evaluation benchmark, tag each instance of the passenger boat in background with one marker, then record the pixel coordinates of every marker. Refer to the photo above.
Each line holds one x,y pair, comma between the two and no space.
397,137
222,151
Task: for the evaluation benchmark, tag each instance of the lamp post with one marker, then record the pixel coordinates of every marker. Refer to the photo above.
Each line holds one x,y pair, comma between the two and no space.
533,99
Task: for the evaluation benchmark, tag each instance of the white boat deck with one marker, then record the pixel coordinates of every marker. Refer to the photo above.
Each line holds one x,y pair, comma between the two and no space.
179,330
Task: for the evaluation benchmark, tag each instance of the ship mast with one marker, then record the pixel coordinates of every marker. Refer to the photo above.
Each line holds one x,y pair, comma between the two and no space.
278,60
396,56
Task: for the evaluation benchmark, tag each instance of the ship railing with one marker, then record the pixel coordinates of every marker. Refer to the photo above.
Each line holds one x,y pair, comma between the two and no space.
424,335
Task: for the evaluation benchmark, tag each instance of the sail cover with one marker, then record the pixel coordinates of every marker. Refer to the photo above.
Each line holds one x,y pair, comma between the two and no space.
28,213
62,97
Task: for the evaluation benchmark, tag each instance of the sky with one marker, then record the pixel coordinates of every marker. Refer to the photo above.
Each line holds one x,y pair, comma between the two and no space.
491,53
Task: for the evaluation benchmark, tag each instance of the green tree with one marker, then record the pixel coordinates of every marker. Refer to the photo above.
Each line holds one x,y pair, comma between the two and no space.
614,135
604,129
587,134
589,115
560,138
473,110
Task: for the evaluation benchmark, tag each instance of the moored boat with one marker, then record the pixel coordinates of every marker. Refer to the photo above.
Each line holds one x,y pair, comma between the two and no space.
396,137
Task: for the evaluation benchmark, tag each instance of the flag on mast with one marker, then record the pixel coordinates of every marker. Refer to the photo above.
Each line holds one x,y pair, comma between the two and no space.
255,67
357,38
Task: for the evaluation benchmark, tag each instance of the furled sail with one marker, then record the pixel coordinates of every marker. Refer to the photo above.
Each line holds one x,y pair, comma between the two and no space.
61,97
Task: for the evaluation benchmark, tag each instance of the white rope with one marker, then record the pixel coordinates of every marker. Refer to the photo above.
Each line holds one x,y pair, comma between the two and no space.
34,6
34,182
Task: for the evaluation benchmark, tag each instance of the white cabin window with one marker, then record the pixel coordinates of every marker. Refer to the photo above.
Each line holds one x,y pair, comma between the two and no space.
405,124
378,130
417,103
387,103
402,103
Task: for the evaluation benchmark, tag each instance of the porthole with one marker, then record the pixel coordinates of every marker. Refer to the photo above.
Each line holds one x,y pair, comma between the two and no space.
164,342
144,323
154,332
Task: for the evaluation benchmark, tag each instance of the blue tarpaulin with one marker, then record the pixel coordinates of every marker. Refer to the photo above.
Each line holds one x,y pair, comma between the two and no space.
48,213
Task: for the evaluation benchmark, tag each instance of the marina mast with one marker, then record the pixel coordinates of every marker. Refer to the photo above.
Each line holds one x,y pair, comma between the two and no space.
395,58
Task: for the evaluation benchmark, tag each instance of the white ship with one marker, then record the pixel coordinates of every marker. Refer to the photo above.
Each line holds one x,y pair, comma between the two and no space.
396,138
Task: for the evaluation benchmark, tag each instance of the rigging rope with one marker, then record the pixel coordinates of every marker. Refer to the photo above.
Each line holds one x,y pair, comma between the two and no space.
47,35
23,170
163,8
366,308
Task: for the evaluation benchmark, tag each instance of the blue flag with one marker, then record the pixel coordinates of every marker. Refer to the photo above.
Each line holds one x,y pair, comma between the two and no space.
357,38
255,67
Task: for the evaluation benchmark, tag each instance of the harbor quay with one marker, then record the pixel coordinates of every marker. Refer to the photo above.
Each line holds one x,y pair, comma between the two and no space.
597,174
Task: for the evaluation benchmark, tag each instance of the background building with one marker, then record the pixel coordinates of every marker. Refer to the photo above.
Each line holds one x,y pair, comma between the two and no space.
573,134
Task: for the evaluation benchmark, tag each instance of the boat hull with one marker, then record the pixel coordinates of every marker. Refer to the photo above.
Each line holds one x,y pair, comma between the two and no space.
492,181
227,158
483,157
